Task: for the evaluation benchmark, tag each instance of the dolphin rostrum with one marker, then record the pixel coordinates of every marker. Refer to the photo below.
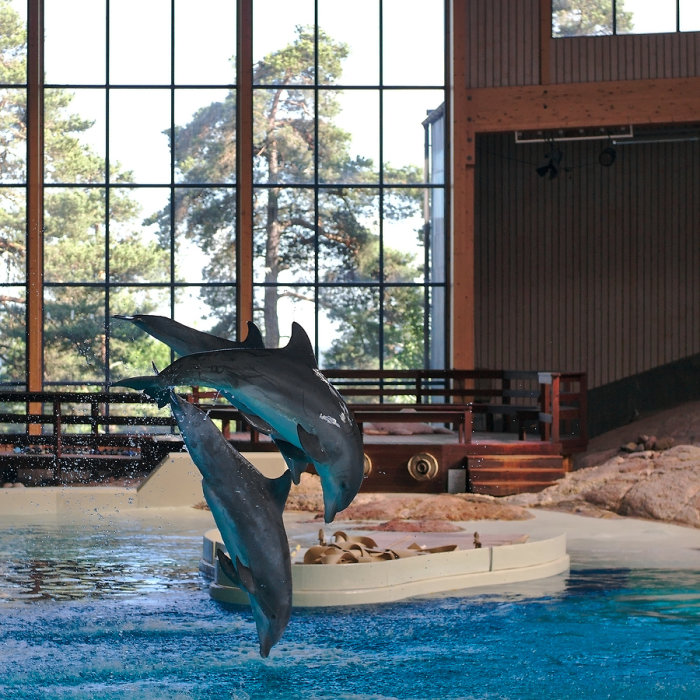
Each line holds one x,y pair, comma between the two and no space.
185,340
284,388
247,508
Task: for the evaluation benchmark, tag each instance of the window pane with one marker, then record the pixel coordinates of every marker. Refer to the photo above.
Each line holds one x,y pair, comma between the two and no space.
284,236
404,133
13,221
74,136
139,49
13,44
205,42
208,309
354,313
642,17
438,327
74,238
132,350
74,334
348,135
276,307
205,136
414,42
275,25
356,26
138,138
570,19
283,123
139,251
75,50
205,230
349,235
689,12
13,340
13,143
404,233
404,338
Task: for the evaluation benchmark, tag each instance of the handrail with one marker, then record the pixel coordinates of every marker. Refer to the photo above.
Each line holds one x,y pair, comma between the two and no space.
556,400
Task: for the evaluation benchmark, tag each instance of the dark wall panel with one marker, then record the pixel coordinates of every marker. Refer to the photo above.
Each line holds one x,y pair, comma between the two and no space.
595,270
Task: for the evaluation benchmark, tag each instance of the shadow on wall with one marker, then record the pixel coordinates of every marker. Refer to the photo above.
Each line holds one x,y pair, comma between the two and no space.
619,403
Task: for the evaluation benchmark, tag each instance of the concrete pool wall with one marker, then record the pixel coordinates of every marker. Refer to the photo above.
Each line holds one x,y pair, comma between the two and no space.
175,483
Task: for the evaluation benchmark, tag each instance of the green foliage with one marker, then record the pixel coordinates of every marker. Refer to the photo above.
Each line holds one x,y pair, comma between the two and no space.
75,345
295,233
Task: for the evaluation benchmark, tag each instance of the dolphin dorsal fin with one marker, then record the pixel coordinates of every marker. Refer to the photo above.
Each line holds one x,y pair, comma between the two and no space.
254,338
300,347
279,489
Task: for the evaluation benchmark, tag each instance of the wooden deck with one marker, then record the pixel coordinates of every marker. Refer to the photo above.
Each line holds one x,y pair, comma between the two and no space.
495,432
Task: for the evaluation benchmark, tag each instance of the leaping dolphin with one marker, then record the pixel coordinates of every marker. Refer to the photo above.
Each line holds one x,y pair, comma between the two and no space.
185,340
247,508
284,388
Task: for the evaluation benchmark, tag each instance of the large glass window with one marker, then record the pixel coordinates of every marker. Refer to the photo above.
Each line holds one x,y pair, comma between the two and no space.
601,17
140,177
341,91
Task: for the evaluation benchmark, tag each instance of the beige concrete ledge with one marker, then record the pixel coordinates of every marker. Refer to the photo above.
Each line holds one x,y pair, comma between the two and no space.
175,483
319,585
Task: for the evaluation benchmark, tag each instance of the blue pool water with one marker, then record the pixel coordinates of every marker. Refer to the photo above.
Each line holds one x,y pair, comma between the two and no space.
121,612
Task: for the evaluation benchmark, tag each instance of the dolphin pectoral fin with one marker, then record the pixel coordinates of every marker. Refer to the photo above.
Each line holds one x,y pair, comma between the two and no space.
310,444
258,423
296,460
227,567
245,576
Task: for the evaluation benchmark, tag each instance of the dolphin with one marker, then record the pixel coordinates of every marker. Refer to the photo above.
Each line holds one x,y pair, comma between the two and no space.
284,388
247,508
185,340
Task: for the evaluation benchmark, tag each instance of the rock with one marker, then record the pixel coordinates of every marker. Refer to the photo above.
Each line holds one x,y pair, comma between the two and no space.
398,525
454,507
664,443
659,485
307,495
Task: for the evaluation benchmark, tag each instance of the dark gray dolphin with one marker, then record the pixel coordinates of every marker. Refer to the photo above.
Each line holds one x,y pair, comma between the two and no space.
247,508
286,390
185,340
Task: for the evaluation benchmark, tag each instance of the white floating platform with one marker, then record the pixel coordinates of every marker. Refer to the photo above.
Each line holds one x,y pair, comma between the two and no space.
323,585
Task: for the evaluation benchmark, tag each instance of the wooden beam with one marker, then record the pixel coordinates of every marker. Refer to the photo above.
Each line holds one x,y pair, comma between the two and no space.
35,202
607,103
244,167
462,196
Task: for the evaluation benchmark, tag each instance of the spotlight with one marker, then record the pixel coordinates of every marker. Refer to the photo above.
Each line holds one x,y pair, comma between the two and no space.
551,166
607,156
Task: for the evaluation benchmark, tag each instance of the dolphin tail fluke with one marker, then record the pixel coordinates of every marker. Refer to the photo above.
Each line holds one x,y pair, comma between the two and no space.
151,386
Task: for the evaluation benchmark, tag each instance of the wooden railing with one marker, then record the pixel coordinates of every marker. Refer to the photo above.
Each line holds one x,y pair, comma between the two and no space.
550,404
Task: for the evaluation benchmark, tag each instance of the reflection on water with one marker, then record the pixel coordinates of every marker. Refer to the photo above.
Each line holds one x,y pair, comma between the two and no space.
70,561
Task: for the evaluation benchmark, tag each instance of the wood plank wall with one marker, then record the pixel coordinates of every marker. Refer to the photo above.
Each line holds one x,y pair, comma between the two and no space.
503,44
635,57
596,270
